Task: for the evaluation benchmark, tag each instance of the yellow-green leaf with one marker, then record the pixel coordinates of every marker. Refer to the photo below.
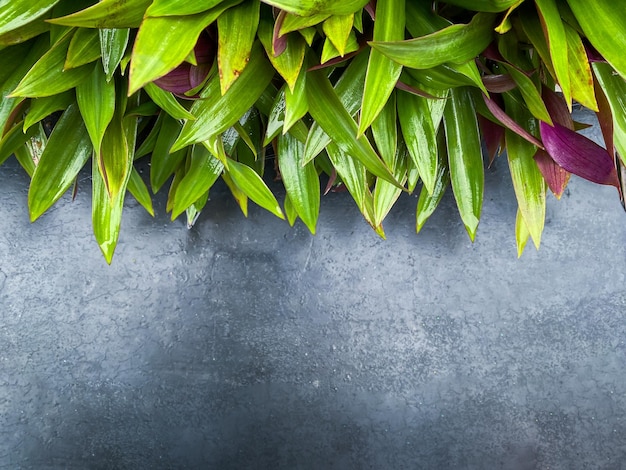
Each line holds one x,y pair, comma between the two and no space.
238,22
528,183
179,7
289,63
84,48
554,31
251,184
580,76
337,29
603,23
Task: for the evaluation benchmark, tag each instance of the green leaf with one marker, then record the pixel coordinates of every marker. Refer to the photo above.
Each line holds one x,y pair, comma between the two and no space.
554,30
139,190
232,56
529,185
179,7
203,171
385,194
164,161
67,151
354,175
603,22
337,29
296,102
318,7
17,13
289,63
251,184
96,101
329,51
176,37
215,113
385,133
84,48
420,136
48,76
531,95
14,139
349,89
465,157
382,72
106,215
167,102
326,108
240,197
107,14
24,33
113,43
22,155
290,211
44,107
114,159
428,201
107,206
293,22
301,181
457,43
484,5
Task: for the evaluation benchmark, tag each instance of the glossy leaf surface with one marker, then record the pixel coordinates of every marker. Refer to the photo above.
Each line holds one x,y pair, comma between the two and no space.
465,158
66,152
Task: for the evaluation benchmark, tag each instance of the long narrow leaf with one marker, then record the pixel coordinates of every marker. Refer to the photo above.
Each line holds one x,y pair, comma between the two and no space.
67,151
465,158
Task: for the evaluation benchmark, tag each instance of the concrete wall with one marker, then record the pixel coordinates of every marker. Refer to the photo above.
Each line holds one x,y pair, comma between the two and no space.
247,344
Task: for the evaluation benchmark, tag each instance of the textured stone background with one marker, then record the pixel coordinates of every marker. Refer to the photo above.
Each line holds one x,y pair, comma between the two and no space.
247,344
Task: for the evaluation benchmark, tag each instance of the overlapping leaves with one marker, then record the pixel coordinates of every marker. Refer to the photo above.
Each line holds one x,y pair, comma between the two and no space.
373,97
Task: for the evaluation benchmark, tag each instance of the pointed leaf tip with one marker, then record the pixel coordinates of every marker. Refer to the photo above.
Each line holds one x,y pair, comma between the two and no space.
579,155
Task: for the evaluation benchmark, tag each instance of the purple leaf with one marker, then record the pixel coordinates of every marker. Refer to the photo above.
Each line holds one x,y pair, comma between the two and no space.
509,123
416,91
279,43
557,108
555,175
605,117
499,83
579,155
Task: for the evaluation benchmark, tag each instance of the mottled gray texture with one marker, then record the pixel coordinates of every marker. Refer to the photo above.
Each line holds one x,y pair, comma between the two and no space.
247,344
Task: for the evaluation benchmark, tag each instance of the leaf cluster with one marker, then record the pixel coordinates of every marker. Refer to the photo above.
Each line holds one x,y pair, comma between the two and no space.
377,98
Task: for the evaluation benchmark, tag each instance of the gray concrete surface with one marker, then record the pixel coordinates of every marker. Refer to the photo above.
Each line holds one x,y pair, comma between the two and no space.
247,344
